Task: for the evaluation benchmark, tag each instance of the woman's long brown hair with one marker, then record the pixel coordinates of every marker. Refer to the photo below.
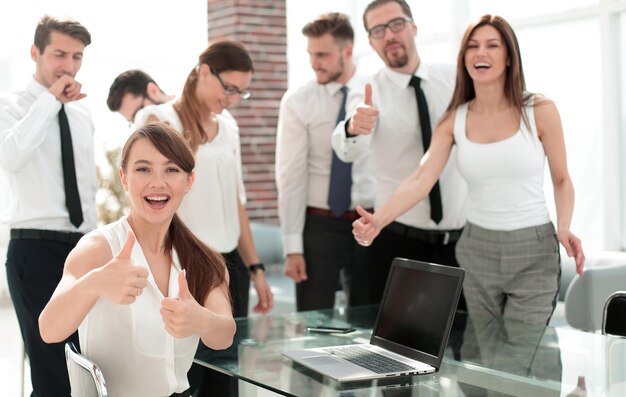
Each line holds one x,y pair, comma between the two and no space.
515,84
205,267
225,55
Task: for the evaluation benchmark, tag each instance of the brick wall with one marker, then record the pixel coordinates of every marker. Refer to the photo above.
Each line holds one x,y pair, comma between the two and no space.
261,26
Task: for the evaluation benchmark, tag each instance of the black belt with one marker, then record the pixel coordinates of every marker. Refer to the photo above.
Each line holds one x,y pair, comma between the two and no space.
40,234
348,215
443,237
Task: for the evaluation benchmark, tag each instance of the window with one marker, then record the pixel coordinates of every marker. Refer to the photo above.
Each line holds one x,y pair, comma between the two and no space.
563,62
622,117
525,9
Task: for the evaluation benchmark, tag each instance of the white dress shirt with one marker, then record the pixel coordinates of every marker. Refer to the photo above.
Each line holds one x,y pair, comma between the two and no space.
129,343
210,208
396,143
306,121
30,156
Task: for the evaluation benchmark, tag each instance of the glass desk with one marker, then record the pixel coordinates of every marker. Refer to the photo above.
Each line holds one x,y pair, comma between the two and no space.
484,357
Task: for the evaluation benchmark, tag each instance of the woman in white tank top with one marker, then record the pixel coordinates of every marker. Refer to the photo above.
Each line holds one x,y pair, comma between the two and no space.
143,290
509,247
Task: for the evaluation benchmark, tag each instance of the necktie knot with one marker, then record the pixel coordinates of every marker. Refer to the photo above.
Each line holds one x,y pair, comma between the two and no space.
415,82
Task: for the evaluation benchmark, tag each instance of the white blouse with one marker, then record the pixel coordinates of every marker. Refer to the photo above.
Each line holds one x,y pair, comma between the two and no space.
210,209
129,342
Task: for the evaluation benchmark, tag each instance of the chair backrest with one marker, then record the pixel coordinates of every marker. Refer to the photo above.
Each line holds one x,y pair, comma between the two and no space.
268,242
614,316
586,295
86,380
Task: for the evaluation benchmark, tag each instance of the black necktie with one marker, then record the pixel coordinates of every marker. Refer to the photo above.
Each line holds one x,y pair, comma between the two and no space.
72,198
340,186
436,212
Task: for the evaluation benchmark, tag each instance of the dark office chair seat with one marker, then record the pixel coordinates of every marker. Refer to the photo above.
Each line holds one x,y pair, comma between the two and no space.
86,380
614,317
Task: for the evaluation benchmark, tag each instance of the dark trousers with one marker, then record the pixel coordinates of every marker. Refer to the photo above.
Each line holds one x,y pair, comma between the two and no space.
239,283
204,381
329,250
389,245
34,269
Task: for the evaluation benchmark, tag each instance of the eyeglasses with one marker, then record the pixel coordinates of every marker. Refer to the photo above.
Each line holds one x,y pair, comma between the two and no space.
229,89
395,25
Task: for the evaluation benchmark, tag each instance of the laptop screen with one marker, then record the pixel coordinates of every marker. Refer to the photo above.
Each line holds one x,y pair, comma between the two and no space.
418,306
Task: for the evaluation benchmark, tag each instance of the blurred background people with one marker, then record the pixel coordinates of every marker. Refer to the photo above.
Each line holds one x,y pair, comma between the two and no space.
503,135
214,208
394,122
131,91
317,192
47,153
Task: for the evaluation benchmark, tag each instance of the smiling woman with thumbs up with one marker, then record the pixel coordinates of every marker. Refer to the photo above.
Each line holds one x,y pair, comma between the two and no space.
143,290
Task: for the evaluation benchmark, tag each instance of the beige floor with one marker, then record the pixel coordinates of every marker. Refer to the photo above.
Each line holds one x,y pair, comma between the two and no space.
11,353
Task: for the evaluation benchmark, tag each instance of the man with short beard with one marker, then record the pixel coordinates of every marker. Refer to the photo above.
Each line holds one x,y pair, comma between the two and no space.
388,125
317,194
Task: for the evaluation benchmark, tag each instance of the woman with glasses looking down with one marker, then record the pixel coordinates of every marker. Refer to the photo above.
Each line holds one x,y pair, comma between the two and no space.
214,208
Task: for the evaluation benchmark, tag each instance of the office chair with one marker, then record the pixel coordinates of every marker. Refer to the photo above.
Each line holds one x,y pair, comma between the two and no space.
268,242
586,296
614,316
86,380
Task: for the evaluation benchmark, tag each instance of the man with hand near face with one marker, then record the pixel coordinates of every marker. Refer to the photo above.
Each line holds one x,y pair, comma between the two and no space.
47,153
317,194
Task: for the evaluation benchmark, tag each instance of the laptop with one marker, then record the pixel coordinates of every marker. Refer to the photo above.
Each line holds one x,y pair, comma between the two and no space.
411,330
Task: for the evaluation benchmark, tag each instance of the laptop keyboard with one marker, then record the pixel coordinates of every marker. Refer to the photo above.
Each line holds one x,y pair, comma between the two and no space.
367,359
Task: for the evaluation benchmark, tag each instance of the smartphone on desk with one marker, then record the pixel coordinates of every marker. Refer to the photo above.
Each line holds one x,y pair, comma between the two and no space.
322,329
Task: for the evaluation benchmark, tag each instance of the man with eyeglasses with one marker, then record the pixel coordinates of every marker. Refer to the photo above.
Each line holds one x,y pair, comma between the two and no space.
131,91
317,193
390,124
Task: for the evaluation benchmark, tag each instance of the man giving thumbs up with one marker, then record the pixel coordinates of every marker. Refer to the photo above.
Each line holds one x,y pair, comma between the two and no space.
391,127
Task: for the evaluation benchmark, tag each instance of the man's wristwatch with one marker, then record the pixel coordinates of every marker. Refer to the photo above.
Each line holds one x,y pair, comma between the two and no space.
257,266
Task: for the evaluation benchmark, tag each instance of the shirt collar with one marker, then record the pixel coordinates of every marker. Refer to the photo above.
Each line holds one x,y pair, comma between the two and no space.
402,79
34,87
332,88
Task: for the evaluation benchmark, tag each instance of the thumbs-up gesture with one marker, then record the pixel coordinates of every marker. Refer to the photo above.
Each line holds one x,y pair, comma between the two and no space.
122,281
180,314
366,228
364,117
